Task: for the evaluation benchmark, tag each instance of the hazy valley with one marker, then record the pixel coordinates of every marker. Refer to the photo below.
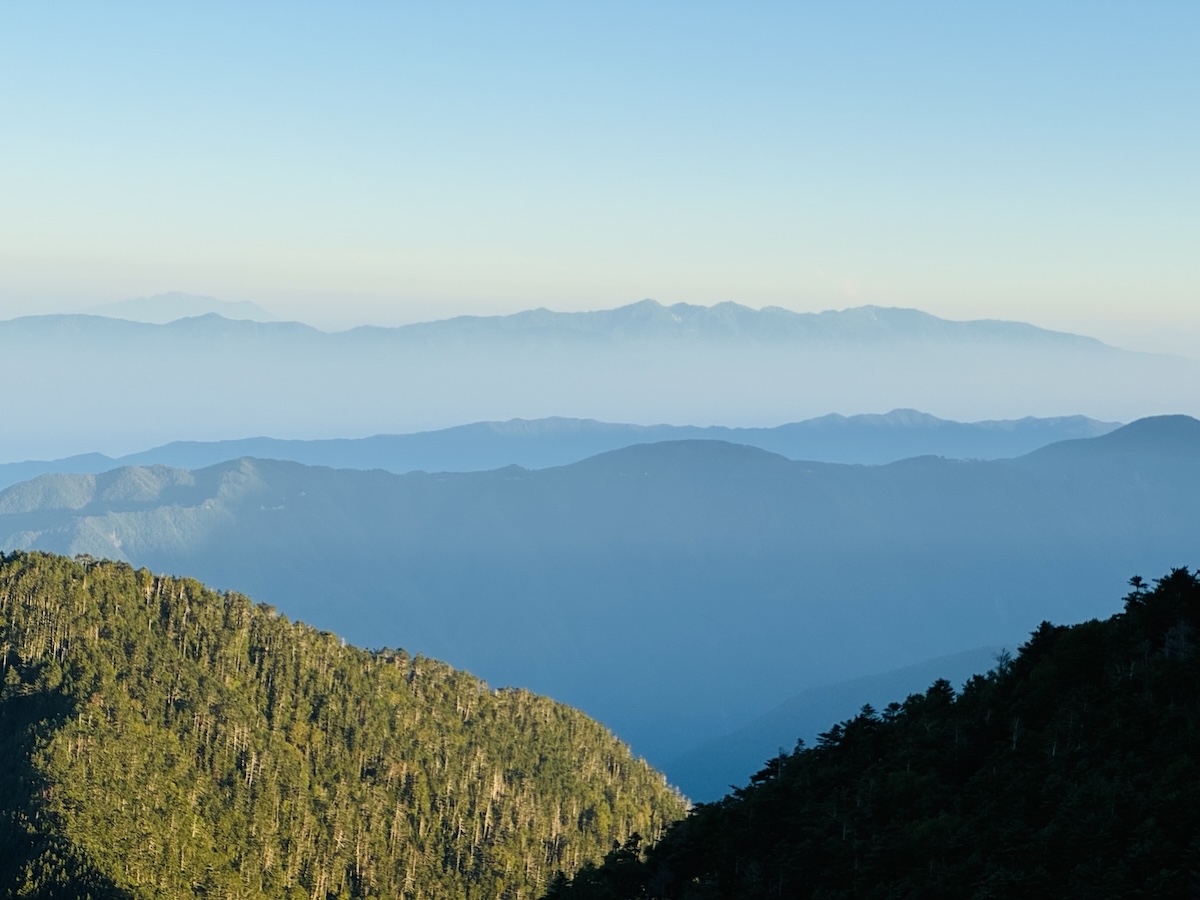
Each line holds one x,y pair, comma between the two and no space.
733,576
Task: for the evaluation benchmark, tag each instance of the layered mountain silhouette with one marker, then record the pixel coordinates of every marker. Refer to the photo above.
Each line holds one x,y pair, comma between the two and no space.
210,378
559,441
674,590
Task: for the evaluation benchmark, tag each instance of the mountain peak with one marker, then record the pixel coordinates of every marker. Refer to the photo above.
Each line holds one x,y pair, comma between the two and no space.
668,456
1153,437
1159,431
159,309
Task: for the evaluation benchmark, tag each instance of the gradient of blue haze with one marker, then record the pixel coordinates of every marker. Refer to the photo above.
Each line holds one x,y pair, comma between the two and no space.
395,162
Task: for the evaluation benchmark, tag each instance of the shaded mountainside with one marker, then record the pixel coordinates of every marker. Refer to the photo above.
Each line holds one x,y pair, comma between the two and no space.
642,363
162,740
675,590
557,441
1072,770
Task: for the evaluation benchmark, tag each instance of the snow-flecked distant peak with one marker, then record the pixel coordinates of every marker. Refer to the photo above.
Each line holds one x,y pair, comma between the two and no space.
650,320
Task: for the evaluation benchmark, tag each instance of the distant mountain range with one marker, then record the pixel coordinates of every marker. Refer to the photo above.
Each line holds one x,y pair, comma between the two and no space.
97,383
675,590
650,320
541,443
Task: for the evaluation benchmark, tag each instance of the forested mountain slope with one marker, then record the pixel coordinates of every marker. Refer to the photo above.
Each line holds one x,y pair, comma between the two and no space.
1070,771
163,740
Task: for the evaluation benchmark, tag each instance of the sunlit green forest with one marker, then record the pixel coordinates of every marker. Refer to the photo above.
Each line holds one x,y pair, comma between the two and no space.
164,740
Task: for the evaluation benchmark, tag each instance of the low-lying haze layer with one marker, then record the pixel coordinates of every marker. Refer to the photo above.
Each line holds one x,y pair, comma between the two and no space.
99,384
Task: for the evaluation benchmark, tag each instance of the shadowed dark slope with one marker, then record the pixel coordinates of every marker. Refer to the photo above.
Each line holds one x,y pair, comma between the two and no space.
1071,770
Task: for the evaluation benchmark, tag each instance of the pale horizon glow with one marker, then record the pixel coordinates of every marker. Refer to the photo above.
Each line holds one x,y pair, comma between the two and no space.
390,164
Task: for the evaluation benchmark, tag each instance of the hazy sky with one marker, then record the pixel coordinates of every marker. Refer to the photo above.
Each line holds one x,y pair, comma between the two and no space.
342,163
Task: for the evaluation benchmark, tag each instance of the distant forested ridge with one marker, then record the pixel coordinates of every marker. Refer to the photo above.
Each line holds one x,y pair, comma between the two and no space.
163,740
1071,770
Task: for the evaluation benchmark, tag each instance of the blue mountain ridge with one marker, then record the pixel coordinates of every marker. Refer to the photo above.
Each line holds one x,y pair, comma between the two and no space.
554,441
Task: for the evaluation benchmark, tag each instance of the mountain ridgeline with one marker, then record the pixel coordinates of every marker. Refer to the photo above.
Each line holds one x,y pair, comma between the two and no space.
556,441
163,740
1071,770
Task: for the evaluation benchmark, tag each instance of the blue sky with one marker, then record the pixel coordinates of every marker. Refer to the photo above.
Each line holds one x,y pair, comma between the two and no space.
394,162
